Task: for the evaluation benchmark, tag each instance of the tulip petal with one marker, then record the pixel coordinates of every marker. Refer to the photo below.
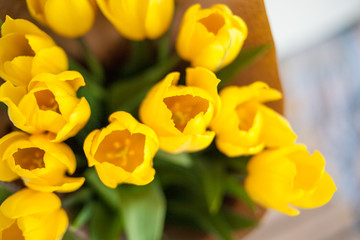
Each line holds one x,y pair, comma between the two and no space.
19,69
158,17
20,26
50,60
153,108
110,174
61,17
5,222
187,29
76,121
36,10
44,226
89,150
36,202
321,195
204,79
63,184
276,131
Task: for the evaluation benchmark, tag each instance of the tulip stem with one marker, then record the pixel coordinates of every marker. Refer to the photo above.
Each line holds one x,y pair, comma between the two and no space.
92,62
163,48
140,56
108,195
1,23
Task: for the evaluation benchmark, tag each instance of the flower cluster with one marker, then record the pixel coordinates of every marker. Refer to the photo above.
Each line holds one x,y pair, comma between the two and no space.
178,115
41,98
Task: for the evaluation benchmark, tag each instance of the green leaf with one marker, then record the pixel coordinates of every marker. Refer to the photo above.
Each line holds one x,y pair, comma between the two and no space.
108,195
163,47
94,65
83,216
235,189
140,57
4,193
212,175
104,223
95,95
245,58
236,220
1,23
70,235
239,164
210,223
79,197
182,159
128,93
143,210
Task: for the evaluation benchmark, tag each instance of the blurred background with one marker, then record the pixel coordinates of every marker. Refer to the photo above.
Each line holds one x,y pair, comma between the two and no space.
318,47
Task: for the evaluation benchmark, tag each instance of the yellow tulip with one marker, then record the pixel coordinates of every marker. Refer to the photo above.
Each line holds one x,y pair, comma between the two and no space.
41,164
289,176
26,51
71,18
245,126
48,105
138,19
180,115
210,38
32,215
123,151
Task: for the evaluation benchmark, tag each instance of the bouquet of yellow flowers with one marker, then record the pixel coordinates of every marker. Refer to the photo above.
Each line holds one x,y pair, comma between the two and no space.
162,138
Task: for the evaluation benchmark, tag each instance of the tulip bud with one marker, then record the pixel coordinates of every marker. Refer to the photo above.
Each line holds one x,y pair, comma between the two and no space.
289,176
180,115
71,18
210,38
41,164
48,105
28,214
123,151
245,125
26,51
138,19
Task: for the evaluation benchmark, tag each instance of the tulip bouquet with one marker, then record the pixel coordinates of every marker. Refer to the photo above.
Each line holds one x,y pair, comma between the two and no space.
163,139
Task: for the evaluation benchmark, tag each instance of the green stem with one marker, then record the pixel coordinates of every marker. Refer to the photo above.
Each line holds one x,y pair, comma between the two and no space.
108,195
92,62
81,196
163,48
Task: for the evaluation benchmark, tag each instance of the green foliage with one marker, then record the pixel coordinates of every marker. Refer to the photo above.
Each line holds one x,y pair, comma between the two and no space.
83,216
108,195
244,59
143,210
235,188
127,94
105,223
4,193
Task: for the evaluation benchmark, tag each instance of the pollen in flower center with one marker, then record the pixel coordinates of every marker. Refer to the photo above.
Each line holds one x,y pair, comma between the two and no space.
122,149
184,108
29,158
46,101
13,232
213,23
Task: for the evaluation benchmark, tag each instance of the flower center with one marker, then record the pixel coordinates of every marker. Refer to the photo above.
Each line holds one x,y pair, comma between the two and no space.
46,101
13,232
184,108
29,158
22,48
213,23
122,149
246,114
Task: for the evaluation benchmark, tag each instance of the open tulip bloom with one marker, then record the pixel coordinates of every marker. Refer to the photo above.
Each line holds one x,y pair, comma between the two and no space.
182,144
